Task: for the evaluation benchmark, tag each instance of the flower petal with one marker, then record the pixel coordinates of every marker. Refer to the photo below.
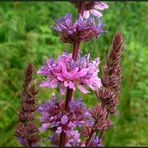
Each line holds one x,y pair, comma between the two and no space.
62,90
44,127
83,89
101,6
96,13
65,83
81,73
59,130
71,85
64,119
86,14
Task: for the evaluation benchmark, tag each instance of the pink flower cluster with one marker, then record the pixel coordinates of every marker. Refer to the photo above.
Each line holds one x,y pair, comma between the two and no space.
69,73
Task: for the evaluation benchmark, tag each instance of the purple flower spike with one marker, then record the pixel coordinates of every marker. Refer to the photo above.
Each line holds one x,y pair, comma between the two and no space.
58,119
68,73
81,30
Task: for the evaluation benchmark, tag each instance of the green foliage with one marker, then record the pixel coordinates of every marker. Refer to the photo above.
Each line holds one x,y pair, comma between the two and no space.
25,37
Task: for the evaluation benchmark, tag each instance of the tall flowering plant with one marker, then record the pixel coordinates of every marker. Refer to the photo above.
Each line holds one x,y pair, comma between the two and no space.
71,123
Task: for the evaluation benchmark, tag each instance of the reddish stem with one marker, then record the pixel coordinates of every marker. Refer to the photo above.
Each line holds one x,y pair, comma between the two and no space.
81,7
89,138
75,50
90,135
76,46
69,92
62,139
101,133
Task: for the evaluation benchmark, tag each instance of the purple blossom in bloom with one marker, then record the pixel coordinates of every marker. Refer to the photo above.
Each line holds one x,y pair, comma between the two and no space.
54,139
54,116
73,139
81,30
95,142
64,119
22,140
94,9
69,73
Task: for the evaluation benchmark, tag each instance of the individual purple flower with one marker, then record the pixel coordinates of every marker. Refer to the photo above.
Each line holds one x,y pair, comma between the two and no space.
54,116
81,30
64,119
54,139
95,142
69,73
22,140
73,139
94,9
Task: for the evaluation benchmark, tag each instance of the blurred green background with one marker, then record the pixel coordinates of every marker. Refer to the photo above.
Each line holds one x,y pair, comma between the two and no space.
25,37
